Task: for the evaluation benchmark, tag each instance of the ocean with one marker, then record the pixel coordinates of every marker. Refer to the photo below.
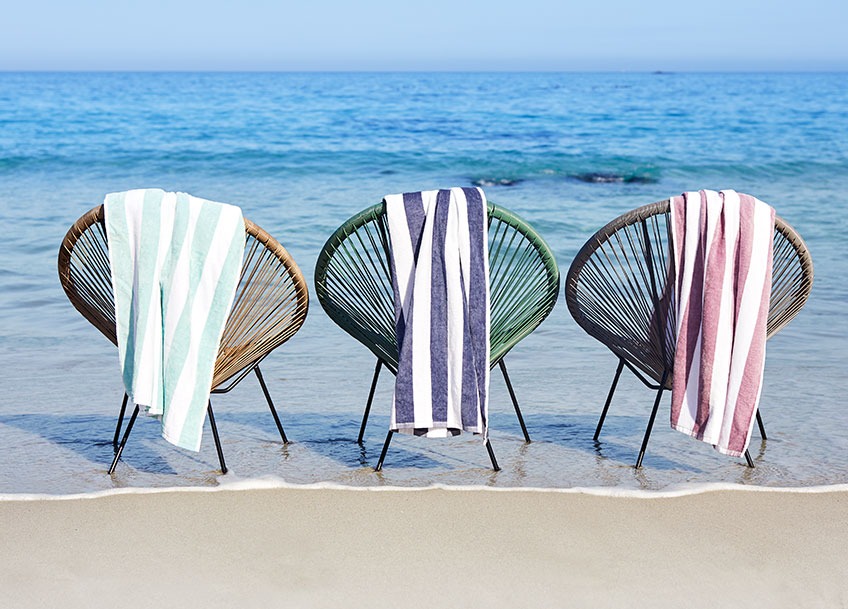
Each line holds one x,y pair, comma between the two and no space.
302,152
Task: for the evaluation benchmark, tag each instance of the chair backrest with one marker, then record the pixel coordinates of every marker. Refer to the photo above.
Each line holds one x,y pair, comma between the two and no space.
270,305
616,288
353,281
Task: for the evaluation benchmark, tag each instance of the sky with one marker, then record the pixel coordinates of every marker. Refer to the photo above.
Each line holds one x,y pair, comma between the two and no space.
365,35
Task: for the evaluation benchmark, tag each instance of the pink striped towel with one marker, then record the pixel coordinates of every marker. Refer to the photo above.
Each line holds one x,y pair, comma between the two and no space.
723,256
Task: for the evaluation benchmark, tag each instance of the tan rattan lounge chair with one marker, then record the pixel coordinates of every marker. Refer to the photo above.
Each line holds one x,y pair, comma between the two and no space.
617,290
353,284
270,305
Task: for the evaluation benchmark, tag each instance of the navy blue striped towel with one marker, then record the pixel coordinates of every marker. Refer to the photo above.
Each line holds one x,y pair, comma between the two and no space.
440,276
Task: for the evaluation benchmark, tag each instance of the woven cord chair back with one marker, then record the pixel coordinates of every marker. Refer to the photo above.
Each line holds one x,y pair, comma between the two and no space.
617,287
353,281
270,305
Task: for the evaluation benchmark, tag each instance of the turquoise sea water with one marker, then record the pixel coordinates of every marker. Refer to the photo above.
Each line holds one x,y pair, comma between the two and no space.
300,153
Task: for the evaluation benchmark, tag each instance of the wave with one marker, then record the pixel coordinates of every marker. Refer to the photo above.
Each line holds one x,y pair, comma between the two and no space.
496,181
272,483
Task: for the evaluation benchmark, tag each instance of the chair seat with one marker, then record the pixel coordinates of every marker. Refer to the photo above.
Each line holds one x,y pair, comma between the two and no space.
353,281
270,305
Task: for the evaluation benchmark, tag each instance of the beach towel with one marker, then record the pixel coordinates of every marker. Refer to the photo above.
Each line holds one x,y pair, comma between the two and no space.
175,261
723,258
440,277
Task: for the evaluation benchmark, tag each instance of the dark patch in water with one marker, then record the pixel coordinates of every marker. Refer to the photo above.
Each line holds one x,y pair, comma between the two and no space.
613,178
496,182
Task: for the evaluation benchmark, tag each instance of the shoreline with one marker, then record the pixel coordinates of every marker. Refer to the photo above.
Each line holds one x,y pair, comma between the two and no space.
273,483
426,547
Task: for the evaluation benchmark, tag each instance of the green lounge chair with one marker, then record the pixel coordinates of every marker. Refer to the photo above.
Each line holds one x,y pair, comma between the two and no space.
353,284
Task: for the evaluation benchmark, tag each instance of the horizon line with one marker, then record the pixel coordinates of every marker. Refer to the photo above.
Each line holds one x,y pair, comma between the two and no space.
651,71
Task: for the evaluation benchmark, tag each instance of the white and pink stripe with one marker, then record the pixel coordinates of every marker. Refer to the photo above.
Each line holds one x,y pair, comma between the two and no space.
723,258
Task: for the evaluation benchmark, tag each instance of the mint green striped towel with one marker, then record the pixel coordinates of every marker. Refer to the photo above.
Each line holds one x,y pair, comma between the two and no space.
176,262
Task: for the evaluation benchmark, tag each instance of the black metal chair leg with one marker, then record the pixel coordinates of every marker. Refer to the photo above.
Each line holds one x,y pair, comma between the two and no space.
651,421
385,450
495,465
120,422
271,404
514,403
124,440
609,399
762,427
748,458
217,439
370,399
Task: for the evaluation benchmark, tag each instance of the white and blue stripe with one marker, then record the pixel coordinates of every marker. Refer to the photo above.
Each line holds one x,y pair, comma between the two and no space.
176,262
440,275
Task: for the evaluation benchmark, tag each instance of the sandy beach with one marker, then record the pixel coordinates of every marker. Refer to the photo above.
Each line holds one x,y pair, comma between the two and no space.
319,547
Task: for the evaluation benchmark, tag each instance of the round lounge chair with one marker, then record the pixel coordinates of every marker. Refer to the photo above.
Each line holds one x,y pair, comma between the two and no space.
353,284
270,306
616,291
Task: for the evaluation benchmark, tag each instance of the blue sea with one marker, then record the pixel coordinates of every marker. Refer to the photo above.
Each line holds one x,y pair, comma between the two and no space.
301,152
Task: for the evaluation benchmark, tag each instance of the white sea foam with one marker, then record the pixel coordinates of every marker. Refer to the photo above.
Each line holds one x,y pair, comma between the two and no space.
272,483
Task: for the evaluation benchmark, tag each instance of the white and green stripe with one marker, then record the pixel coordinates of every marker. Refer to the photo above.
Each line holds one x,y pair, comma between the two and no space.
176,262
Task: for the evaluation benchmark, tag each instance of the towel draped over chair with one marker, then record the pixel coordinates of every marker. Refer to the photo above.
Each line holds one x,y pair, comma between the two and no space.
175,262
723,259
440,278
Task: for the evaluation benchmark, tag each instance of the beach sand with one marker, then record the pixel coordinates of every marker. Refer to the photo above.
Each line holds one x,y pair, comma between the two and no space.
429,548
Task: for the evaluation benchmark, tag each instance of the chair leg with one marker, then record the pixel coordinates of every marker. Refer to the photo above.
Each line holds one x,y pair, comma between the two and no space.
370,399
609,399
120,422
515,405
123,440
217,439
385,450
748,458
495,465
762,427
271,404
388,441
651,421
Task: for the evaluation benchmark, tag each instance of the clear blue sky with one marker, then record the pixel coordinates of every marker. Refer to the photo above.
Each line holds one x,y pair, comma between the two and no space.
415,35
